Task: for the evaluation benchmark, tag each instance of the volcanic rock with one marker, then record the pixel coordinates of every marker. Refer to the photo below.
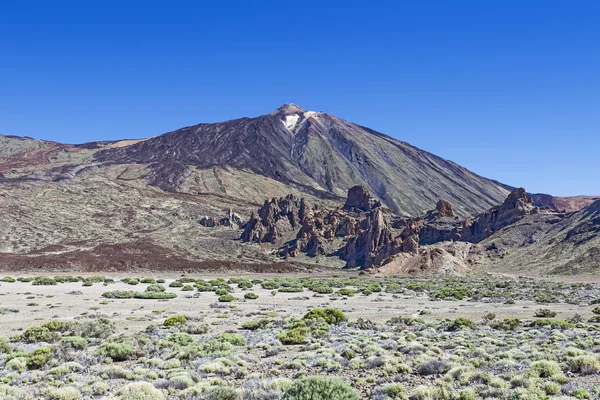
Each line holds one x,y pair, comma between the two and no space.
360,199
275,218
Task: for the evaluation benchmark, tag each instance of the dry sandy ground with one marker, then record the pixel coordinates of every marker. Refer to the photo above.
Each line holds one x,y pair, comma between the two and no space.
36,304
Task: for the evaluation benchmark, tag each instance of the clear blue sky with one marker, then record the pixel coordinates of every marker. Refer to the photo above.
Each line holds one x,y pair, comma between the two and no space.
508,89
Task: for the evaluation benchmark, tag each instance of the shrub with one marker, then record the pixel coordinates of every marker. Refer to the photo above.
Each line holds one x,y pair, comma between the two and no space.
38,334
119,294
551,388
293,336
118,351
64,393
461,323
545,313
76,342
581,394
332,316
139,391
347,292
175,320
8,279
5,347
154,295
552,323
544,369
251,296
181,339
322,289
148,280
432,366
176,284
395,391
320,388
254,325
507,324
234,339
155,288
291,289
43,281
226,298
584,364
131,281
270,285
39,357
187,288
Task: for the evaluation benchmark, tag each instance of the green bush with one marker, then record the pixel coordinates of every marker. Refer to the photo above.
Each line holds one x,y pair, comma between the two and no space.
507,324
38,334
544,369
347,292
270,285
545,313
76,342
234,339
322,289
175,320
254,325
117,351
119,294
320,388
332,316
139,391
5,347
291,289
293,336
251,296
395,391
180,338
154,295
8,279
155,288
226,298
552,323
461,323
176,284
39,357
43,281
584,364
187,288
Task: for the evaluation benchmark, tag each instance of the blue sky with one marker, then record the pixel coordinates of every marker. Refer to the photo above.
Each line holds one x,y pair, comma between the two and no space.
510,90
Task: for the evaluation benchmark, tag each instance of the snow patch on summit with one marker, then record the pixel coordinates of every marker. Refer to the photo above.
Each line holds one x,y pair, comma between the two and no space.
291,121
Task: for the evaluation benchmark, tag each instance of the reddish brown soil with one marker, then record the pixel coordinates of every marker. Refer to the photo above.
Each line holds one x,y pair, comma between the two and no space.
132,257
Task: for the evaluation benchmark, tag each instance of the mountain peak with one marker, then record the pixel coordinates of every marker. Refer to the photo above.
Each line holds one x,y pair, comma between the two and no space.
288,109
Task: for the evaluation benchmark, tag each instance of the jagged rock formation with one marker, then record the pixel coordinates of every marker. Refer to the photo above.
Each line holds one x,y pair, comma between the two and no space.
359,199
275,218
374,243
516,205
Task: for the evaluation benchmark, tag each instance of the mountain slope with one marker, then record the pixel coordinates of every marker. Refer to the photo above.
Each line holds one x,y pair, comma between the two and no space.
317,152
551,243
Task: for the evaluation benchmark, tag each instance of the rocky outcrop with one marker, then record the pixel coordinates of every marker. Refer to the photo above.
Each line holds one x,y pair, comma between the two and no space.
359,199
374,243
231,220
517,204
275,218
